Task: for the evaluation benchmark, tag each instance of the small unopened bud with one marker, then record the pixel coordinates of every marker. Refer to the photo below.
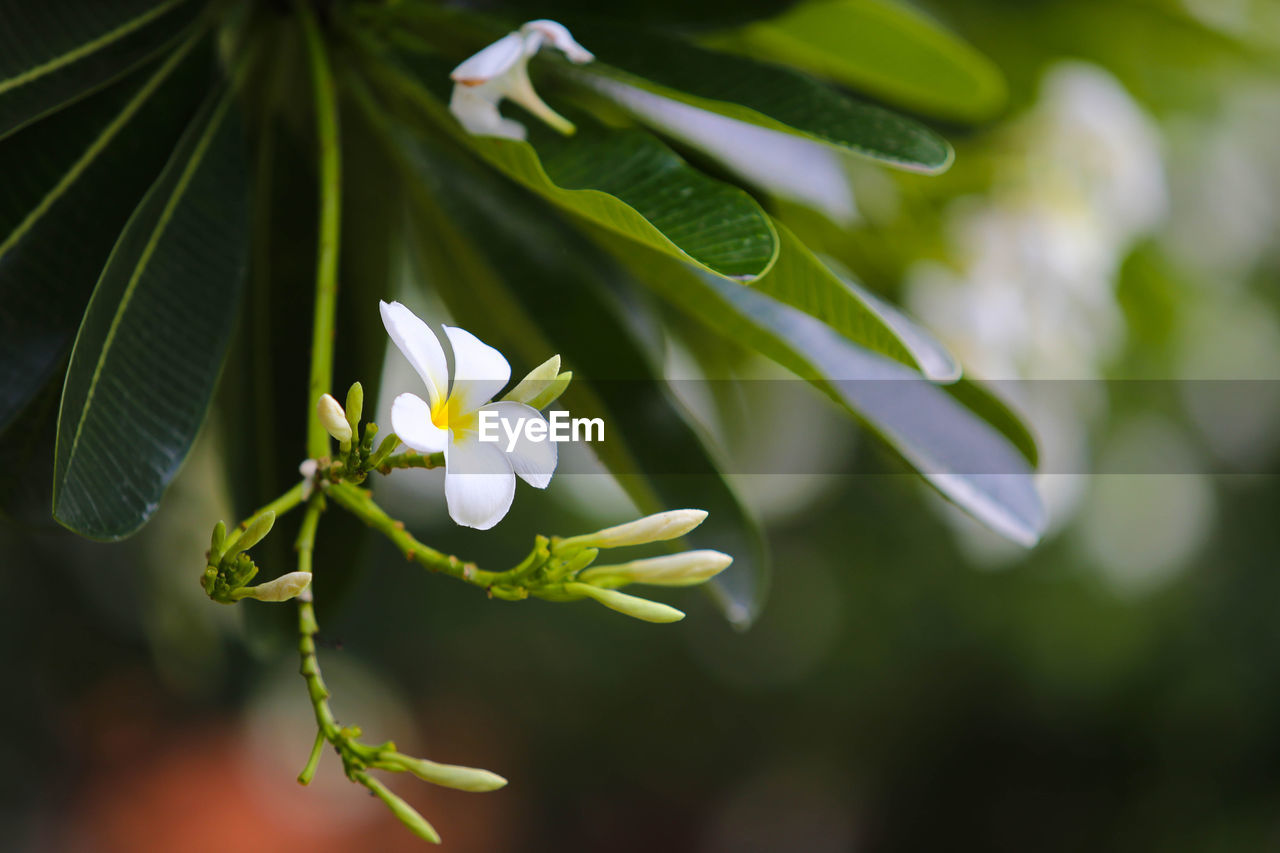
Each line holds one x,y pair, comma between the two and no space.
472,779
333,419
215,542
282,588
254,533
684,569
406,813
355,406
631,605
652,528
536,382
552,392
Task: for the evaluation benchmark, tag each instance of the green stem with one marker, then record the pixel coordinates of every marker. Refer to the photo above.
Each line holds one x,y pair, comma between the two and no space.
308,627
501,584
322,331
359,503
313,761
279,506
409,459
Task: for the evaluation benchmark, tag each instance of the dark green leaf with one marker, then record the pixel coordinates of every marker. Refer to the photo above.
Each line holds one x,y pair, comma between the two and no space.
54,51
82,173
155,334
634,66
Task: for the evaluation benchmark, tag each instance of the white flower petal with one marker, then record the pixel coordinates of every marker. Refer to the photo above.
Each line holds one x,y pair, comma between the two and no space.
411,419
516,86
420,345
557,35
479,484
534,461
477,111
496,59
479,370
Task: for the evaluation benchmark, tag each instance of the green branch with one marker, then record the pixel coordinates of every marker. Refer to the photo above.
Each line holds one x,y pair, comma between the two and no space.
322,331
505,585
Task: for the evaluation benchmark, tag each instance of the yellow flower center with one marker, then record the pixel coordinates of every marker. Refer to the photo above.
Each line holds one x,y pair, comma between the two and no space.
448,414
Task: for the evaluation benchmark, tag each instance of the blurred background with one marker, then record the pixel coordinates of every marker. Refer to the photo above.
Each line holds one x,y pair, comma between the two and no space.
1106,250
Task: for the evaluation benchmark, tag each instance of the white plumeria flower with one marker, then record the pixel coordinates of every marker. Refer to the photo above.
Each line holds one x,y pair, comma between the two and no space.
501,70
480,476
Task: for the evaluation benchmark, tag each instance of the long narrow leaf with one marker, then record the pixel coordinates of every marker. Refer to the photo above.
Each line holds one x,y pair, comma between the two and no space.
154,337
635,63
956,450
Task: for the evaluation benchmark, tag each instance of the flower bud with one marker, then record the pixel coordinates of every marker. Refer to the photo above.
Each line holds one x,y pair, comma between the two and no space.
333,419
456,776
552,392
254,533
215,542
634,606
282,588
652,528
404,812
355,406
536,382
684,569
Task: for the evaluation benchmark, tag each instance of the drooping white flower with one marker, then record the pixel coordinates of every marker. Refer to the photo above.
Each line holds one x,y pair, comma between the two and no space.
480,476
501,70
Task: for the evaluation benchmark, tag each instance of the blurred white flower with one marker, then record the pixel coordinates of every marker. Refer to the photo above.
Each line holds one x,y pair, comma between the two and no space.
480,476
500,71
1029,289
1030,292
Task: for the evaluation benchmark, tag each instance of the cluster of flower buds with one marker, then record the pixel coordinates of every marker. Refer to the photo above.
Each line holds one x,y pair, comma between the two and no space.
564,569
356,456
229,569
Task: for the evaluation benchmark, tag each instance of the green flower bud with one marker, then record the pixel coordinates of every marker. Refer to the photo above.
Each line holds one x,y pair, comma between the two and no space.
684,569
404,812
552,392
215,543
652,528
634,606
254,533
282,588
333,419
456,776
536,382
355,406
